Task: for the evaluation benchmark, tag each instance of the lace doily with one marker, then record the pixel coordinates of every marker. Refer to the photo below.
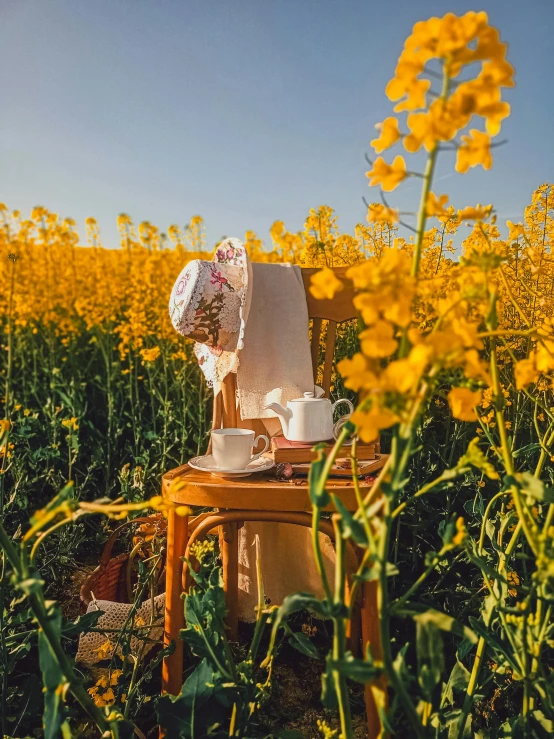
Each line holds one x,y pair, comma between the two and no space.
95,647
230,312
215,366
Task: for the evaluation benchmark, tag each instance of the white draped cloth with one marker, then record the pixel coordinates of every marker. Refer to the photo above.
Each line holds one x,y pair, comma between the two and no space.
275,366
275,362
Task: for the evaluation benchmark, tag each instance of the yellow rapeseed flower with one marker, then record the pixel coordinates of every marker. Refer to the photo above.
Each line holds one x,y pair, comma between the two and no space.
200,549
378,213
388,176
114,676
462,402
475,456
325,284
475,149
461,532
70,423
436,206
104,651
475,212
515,230
370,423
356,372
389,134
378,341
150,355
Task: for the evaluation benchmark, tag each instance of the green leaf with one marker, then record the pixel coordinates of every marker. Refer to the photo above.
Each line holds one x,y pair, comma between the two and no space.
52,677
459,677
318,495
301,602
372,572
66,399
458,680
350,528
513,728
65,494
443,622
30,585
543,726
464,648
501,648
198,688
205,612
125,729
450,474
20,651
492,572
302,642
328,690
451,720
530,485
292,604
82,624
355,669
198,707
399,665
524,450
430,655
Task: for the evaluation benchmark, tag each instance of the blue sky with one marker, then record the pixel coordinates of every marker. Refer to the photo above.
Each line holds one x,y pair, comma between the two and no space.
245,111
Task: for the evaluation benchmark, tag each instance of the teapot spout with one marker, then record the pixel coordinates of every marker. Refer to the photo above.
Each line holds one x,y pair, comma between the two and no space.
285,414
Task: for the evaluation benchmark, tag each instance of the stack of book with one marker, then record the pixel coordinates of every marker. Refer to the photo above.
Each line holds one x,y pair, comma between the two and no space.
299,455
297,451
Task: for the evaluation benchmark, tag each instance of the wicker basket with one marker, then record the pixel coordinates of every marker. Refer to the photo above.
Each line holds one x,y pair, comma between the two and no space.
110,580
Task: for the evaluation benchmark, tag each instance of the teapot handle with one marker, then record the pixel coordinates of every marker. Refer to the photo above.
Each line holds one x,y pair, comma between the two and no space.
343,400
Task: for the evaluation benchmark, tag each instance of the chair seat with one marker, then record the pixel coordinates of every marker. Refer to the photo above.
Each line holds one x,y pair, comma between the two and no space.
262,491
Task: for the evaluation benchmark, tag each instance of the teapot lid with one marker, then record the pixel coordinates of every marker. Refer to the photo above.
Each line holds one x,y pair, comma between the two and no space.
308,397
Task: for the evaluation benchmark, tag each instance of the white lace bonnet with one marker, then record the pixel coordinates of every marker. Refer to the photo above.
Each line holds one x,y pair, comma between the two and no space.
210,302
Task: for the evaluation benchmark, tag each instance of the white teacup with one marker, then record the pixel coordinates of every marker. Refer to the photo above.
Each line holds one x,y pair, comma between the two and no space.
232,448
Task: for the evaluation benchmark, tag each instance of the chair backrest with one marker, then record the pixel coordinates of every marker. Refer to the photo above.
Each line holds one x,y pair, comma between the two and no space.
337,310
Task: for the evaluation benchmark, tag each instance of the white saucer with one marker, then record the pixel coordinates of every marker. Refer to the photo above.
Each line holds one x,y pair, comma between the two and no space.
206,463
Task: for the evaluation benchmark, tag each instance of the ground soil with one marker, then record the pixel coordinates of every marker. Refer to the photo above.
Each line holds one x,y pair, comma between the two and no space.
294,704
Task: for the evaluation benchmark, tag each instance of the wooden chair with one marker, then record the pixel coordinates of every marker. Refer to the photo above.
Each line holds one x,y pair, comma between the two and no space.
256,498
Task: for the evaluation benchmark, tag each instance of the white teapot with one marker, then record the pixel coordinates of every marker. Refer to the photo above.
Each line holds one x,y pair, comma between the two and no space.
308,419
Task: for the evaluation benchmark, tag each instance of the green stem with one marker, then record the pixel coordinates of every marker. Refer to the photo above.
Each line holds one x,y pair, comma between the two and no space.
316,518
5,440
504,444
422,491
41,616
420,580
490,504
316,511
422,213
339,634
468,700
384,620
425,190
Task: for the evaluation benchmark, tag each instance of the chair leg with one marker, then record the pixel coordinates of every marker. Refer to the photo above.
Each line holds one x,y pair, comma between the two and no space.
376,691
354,631
229,545
172,669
